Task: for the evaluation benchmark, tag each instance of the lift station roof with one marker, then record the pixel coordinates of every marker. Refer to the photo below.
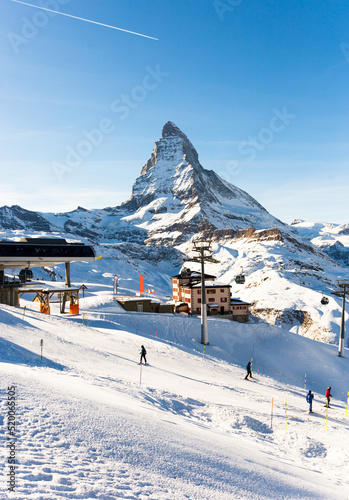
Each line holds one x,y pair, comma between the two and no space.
39,252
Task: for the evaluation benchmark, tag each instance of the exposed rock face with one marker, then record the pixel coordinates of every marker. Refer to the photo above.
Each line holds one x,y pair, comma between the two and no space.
17,218
338,252
221,235
308,328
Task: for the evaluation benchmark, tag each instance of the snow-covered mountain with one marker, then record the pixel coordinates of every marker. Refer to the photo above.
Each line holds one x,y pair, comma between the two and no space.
331,238
175,197
174,200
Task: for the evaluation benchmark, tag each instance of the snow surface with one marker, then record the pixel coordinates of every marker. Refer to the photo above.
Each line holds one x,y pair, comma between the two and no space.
93,424
323,234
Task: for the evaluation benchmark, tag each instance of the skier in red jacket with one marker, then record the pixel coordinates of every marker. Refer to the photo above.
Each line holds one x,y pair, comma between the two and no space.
328,395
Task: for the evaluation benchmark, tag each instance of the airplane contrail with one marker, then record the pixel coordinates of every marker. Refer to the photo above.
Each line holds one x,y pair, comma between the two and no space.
86,20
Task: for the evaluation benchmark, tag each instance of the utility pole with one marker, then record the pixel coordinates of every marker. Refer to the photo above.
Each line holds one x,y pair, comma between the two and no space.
204,254
67,284
343,289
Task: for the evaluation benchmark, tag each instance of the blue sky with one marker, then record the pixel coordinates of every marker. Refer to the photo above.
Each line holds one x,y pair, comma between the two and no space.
260,89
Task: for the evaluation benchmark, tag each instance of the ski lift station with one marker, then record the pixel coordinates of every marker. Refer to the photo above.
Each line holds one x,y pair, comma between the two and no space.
39,252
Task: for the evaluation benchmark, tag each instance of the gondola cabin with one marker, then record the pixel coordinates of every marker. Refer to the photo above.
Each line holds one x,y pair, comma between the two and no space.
25,275
240,279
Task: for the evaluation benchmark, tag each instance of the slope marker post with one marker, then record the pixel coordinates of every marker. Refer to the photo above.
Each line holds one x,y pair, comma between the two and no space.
272,410
286,413
326,416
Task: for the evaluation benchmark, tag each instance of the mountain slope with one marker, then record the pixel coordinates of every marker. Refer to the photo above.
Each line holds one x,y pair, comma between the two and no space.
333,239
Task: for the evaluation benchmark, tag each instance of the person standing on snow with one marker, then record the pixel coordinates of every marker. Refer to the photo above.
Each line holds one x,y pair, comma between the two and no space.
328,396
310,397
249,370
143,354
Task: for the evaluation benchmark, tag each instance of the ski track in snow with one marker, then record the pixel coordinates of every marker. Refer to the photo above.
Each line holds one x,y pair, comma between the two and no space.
193,429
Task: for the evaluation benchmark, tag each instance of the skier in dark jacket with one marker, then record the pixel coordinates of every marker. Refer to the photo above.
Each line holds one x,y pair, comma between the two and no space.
309,398
249,370
328,396
143,354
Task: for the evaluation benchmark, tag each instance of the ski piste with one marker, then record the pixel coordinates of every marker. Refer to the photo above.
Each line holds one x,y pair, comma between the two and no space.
206,402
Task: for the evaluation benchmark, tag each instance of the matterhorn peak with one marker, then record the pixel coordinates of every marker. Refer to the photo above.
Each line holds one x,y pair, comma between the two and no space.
170,129
173,148
174,182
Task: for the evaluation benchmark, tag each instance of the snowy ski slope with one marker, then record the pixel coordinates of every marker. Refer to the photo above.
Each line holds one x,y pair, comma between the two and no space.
92,423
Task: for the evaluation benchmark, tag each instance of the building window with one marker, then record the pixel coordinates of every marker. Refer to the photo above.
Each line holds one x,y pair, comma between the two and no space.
211,299
222,290
224,299
199,292
199,300
211,291
198,309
